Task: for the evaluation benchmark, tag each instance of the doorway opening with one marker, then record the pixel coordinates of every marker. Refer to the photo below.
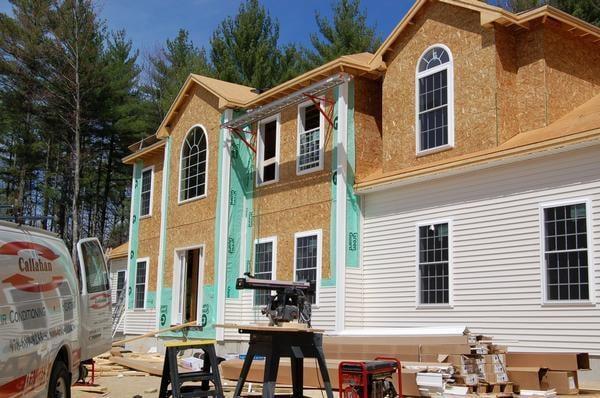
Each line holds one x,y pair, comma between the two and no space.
188,280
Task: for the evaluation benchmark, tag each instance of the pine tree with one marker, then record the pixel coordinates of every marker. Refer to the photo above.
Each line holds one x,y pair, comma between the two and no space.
244,49
169,68
21,46
347,33
74,48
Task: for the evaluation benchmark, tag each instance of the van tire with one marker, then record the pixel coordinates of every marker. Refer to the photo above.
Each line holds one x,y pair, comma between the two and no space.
60,381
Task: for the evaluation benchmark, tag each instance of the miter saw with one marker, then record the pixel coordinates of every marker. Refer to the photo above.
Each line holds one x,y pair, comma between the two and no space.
290,303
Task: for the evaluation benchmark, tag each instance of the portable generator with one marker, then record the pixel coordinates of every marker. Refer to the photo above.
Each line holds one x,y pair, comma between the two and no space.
370,379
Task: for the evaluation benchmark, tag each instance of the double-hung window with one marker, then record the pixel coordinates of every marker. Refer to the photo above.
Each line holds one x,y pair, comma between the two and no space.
268,152
307,258
265,260
566,253
147,182
310,142
140,284
434,266
435,100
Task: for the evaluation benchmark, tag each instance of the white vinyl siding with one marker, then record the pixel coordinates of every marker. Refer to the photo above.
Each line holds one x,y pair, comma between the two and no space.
497,286
139,322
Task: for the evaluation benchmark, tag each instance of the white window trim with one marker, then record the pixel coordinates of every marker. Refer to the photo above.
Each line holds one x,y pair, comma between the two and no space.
151,168
179,201
319,233
260,163
176,277
449,66
450,303
591,267
147,261
300,129
273,240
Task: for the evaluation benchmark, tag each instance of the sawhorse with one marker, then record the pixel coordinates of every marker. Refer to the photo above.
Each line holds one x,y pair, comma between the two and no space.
209,372
275,343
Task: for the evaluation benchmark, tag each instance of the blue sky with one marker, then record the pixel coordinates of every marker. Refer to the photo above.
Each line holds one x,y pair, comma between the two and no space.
150,22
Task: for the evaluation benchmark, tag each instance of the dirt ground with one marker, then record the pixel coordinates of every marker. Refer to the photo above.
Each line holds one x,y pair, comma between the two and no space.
147,386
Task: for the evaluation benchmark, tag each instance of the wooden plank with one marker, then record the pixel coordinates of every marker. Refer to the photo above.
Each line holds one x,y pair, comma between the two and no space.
267,328
155,332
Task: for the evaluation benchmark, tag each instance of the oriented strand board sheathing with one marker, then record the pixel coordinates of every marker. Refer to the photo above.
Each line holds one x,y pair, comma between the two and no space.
473,50
531,76
192,223
507,99
572,71
367,120
148,248
150,225
295,203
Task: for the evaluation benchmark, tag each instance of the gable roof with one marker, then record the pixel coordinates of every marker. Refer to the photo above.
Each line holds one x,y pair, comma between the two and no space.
361,64
578,127
229,95
490,15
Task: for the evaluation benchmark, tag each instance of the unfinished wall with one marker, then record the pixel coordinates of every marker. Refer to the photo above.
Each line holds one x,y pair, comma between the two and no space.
192,223
572,71
149,229
367,127
473,50
507,99
295,203
531,75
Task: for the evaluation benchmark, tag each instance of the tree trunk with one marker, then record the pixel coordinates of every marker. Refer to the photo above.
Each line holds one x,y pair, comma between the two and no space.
107,182
77,143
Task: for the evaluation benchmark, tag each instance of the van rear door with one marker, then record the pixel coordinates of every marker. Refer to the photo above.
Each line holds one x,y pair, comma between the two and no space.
96,319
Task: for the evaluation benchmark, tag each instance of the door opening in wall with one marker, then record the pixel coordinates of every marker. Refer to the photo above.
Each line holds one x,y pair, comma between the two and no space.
188,277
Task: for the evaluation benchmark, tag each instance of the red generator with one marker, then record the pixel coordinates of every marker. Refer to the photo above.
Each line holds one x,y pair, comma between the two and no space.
370,379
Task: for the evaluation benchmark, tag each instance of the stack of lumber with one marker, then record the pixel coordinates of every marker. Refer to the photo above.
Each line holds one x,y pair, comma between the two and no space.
105,367
483,370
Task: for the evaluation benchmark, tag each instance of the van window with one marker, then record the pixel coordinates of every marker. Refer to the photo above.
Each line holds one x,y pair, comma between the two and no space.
95,268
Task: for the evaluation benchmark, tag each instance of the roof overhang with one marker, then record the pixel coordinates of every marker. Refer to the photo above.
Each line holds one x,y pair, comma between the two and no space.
490,15
478,161
358,65
145,152
297,97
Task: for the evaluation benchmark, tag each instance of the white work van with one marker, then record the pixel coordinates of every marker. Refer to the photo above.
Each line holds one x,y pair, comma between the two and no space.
53,314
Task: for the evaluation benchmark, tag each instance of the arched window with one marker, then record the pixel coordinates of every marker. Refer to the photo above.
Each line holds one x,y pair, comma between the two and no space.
194,154
435,99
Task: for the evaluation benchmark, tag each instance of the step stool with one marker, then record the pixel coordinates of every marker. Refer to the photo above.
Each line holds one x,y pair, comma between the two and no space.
208,374
368,379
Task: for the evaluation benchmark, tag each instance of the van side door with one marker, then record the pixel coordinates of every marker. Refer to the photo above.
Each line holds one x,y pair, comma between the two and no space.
95,300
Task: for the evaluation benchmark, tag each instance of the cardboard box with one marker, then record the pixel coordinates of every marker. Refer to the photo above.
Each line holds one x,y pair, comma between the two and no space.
550,360
528,378
468,379
564,382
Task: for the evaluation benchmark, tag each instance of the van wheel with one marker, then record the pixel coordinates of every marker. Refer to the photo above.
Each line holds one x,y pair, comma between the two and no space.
60,386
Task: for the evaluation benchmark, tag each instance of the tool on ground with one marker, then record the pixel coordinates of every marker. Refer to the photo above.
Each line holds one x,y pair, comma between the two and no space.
290,303
209,373
275,343
370,379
